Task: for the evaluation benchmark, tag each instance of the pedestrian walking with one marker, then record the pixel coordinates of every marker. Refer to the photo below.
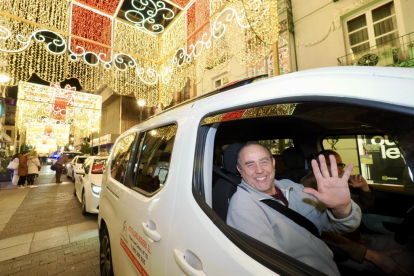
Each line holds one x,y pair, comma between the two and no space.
33,169
15,159
22,170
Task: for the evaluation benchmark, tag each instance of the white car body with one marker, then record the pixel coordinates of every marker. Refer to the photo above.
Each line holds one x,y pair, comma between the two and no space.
167,233
74,165
88,185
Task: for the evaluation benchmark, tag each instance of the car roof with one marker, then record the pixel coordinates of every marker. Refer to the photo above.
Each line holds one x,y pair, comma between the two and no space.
376,84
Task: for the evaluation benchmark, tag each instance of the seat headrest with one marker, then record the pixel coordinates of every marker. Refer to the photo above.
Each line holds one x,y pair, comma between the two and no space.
293,158
230,157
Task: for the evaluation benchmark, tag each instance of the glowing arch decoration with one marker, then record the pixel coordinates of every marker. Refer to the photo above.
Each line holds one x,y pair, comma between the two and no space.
153,55
56,110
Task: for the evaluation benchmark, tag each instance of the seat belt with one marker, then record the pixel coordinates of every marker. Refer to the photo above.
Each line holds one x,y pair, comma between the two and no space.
293,215
339,255
223,175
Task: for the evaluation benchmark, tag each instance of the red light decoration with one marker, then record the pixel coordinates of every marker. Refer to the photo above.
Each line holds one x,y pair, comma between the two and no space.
106,6
93,26
201,8
234,115
62,100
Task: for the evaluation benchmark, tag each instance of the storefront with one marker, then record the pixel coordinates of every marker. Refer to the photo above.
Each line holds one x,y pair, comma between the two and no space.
103,144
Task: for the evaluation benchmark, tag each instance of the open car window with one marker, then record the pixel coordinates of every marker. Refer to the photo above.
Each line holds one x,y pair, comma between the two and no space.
376,130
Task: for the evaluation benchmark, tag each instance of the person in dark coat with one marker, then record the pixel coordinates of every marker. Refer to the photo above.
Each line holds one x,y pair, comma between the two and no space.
22,170
63,160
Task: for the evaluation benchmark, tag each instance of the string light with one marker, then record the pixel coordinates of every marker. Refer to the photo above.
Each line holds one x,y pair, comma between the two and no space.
52,106
244,30
144,17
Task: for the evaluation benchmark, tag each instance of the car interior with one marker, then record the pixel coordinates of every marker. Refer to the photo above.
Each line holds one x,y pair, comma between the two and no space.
375,137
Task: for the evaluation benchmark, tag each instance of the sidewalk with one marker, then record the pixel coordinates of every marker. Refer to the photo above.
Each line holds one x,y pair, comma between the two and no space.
43,231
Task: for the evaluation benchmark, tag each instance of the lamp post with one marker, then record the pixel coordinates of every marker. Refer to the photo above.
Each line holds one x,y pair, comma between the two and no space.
141,104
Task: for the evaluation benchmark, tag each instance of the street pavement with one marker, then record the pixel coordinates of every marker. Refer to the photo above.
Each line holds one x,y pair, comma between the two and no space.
43,231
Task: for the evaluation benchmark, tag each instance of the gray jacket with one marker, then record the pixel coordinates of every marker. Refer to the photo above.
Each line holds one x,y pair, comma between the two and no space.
247,214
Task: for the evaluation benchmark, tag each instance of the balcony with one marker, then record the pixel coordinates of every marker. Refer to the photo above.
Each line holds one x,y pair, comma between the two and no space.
398,52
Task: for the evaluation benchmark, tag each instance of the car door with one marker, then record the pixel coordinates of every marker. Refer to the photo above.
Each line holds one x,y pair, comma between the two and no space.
146,203
71,166
80,178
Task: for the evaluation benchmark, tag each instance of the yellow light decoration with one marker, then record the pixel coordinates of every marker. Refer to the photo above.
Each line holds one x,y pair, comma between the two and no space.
59,135
49,106
130,39
174,37
245,30
50,13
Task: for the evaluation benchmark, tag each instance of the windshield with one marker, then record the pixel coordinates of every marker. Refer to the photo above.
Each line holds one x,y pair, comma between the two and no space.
81,160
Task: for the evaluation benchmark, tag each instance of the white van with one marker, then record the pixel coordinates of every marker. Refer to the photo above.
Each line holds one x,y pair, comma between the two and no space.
164,198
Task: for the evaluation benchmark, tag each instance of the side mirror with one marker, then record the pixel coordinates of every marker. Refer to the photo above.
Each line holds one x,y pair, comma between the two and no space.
80,171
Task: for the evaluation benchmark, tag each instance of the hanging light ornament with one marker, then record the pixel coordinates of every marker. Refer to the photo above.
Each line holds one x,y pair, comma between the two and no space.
104,50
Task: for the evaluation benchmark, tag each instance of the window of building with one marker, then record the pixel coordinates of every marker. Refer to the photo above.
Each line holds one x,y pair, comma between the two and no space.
374,27
156,147
121,157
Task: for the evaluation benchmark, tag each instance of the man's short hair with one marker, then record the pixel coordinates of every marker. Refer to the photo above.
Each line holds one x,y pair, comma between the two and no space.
249,144
24,152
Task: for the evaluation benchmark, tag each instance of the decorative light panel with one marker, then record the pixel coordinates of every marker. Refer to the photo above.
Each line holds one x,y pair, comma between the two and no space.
145,13
181,3
100,49
51,106
94,26
130,39
106,6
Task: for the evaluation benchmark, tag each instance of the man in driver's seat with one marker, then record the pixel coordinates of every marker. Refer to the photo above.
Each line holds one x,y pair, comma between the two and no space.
248,214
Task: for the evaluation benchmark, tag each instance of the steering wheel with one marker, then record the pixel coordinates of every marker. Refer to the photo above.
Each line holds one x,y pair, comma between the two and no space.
406,228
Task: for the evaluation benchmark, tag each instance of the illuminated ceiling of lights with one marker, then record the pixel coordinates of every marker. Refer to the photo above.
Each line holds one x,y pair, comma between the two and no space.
133,46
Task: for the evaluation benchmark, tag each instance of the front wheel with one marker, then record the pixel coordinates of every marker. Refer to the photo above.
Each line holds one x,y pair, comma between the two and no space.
105,256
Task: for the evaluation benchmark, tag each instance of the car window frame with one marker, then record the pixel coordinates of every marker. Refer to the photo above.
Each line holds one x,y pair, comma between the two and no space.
110,158
137,155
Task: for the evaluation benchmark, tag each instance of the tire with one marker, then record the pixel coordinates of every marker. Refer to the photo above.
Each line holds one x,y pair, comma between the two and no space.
84,204
105,254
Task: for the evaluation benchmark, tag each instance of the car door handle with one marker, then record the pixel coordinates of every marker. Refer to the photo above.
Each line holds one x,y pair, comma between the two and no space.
189,263
153,234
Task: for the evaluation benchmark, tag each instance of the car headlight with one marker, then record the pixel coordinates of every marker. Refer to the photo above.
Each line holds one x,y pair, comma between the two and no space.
95,189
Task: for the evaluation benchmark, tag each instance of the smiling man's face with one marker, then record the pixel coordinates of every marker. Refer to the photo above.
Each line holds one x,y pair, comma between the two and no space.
258,168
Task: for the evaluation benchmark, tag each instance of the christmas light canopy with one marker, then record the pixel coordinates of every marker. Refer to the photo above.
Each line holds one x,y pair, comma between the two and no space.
150,48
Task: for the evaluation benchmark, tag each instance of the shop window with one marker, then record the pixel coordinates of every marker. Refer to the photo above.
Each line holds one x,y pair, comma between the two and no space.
155,149
376,157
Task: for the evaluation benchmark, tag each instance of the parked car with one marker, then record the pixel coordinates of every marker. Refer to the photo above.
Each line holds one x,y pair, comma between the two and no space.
164,199
88,181
75,164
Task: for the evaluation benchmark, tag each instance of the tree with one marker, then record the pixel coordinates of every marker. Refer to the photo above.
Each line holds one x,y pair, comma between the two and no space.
86,148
